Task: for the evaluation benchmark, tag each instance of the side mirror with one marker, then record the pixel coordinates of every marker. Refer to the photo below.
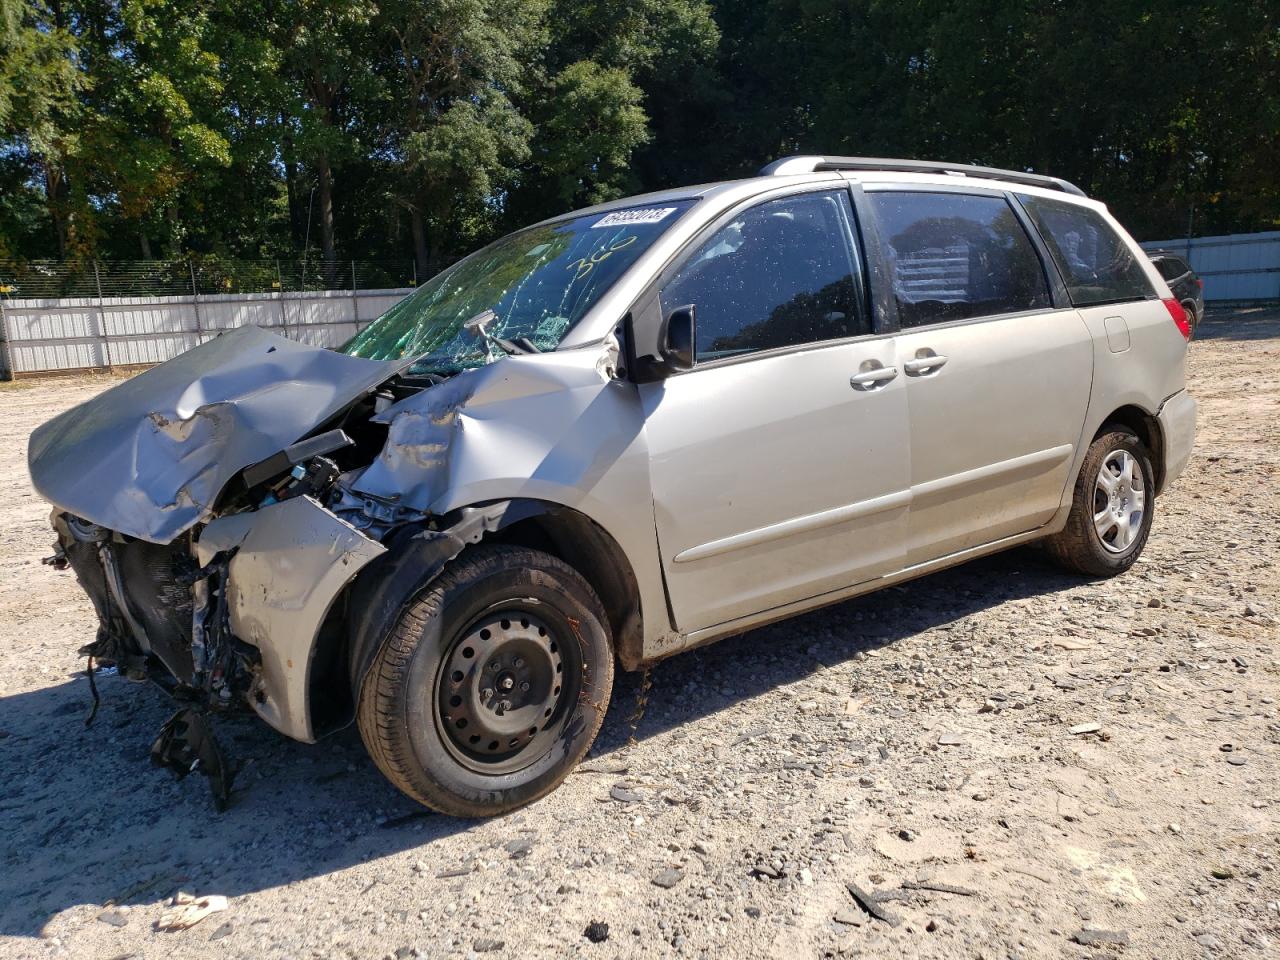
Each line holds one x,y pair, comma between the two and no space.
678,338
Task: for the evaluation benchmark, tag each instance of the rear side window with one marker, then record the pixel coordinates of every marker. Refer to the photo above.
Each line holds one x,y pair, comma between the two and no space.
1171,268
1096,264
780,275
952,256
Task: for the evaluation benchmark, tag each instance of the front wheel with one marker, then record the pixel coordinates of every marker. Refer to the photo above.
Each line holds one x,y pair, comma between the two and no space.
1111,508
492,685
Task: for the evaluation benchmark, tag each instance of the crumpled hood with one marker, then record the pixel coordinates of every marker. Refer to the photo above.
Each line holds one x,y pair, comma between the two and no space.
149,457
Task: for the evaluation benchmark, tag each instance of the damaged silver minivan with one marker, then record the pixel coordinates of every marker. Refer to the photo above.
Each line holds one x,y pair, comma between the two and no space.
618,434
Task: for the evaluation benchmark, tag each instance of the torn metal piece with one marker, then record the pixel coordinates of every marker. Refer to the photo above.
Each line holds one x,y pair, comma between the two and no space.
937,887
149,456
869,903
186,744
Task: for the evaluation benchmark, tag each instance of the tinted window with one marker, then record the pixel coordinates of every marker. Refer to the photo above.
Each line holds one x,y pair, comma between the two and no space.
1171,268
1096,264
779,275
952,256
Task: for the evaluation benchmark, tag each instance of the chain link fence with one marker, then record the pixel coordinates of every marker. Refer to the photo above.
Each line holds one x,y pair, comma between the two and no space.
47,279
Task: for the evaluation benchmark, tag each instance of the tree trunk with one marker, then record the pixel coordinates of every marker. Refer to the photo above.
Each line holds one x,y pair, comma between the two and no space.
326,208
175,231
435,257
53,185
296,224
419,242
145,244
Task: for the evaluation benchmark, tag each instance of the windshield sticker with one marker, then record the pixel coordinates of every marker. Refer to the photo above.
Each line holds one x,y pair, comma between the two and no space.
624,218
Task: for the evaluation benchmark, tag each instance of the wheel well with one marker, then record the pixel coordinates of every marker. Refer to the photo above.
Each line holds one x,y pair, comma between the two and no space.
588,548
1147,427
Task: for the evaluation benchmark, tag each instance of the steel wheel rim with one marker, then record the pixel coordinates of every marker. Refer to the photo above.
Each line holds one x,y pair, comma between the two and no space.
1119,501
502,690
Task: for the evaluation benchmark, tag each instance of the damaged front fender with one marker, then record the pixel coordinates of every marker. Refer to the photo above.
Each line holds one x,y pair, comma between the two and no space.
291,561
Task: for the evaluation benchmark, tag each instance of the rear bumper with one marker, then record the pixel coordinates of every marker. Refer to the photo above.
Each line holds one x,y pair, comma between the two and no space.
1177,418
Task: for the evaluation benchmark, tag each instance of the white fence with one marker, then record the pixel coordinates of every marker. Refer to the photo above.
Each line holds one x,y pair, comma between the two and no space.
92,333
1241,266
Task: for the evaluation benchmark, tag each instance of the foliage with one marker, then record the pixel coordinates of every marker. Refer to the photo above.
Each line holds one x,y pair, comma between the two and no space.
255,128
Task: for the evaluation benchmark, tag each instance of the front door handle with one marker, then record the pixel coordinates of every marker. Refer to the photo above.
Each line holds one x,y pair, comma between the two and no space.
873,377
925,364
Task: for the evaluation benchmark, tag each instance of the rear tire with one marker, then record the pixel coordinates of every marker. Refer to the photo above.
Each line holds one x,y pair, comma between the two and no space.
492,685
1112,507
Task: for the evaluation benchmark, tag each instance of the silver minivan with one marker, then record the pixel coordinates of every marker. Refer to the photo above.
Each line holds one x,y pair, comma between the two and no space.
615,435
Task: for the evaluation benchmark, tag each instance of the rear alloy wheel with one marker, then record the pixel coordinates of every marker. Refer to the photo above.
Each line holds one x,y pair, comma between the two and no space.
492,685
1111,509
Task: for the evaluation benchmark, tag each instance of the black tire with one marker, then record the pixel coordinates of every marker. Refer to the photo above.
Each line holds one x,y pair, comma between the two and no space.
525,621
1079,547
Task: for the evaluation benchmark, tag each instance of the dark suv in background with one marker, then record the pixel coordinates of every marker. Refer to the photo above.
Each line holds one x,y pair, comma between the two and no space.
1183,283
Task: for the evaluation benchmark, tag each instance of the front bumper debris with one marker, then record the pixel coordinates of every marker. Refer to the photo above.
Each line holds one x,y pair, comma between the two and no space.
186,745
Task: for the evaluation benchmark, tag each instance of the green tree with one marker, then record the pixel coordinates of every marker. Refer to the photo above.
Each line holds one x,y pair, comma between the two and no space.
39,112
606,60
450,128
153,114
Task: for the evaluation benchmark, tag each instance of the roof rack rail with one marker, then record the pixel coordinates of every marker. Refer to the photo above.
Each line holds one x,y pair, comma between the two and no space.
808,164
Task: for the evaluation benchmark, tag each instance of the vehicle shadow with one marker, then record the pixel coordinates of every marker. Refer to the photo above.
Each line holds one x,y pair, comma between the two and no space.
87,821
740,668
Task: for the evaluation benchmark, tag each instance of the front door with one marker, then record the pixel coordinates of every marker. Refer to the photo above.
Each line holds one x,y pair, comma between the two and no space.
997,379
778,463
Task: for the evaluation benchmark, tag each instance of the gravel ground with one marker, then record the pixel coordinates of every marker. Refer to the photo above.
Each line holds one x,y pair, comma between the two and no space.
930,733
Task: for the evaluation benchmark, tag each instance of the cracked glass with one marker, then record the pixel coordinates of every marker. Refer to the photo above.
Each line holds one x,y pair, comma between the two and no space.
539,282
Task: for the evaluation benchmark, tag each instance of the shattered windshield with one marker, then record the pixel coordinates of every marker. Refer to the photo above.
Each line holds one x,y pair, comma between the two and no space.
538,282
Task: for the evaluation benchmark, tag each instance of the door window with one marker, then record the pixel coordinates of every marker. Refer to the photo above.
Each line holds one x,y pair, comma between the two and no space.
780,275
1096,264
952,256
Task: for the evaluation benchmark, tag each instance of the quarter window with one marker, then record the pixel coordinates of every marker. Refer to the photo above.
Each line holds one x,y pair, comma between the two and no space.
1097,266
952,256
780,275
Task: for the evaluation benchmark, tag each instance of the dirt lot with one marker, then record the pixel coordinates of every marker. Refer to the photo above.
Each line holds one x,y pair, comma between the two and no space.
922,734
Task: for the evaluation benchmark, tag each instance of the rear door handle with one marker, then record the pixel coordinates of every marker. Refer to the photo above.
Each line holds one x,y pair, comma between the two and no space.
872,377
919,365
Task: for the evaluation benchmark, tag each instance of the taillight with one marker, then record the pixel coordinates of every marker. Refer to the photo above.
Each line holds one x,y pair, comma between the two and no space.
1200,282
1179,317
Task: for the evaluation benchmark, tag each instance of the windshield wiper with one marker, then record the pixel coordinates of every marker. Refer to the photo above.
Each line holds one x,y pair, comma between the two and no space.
478,325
